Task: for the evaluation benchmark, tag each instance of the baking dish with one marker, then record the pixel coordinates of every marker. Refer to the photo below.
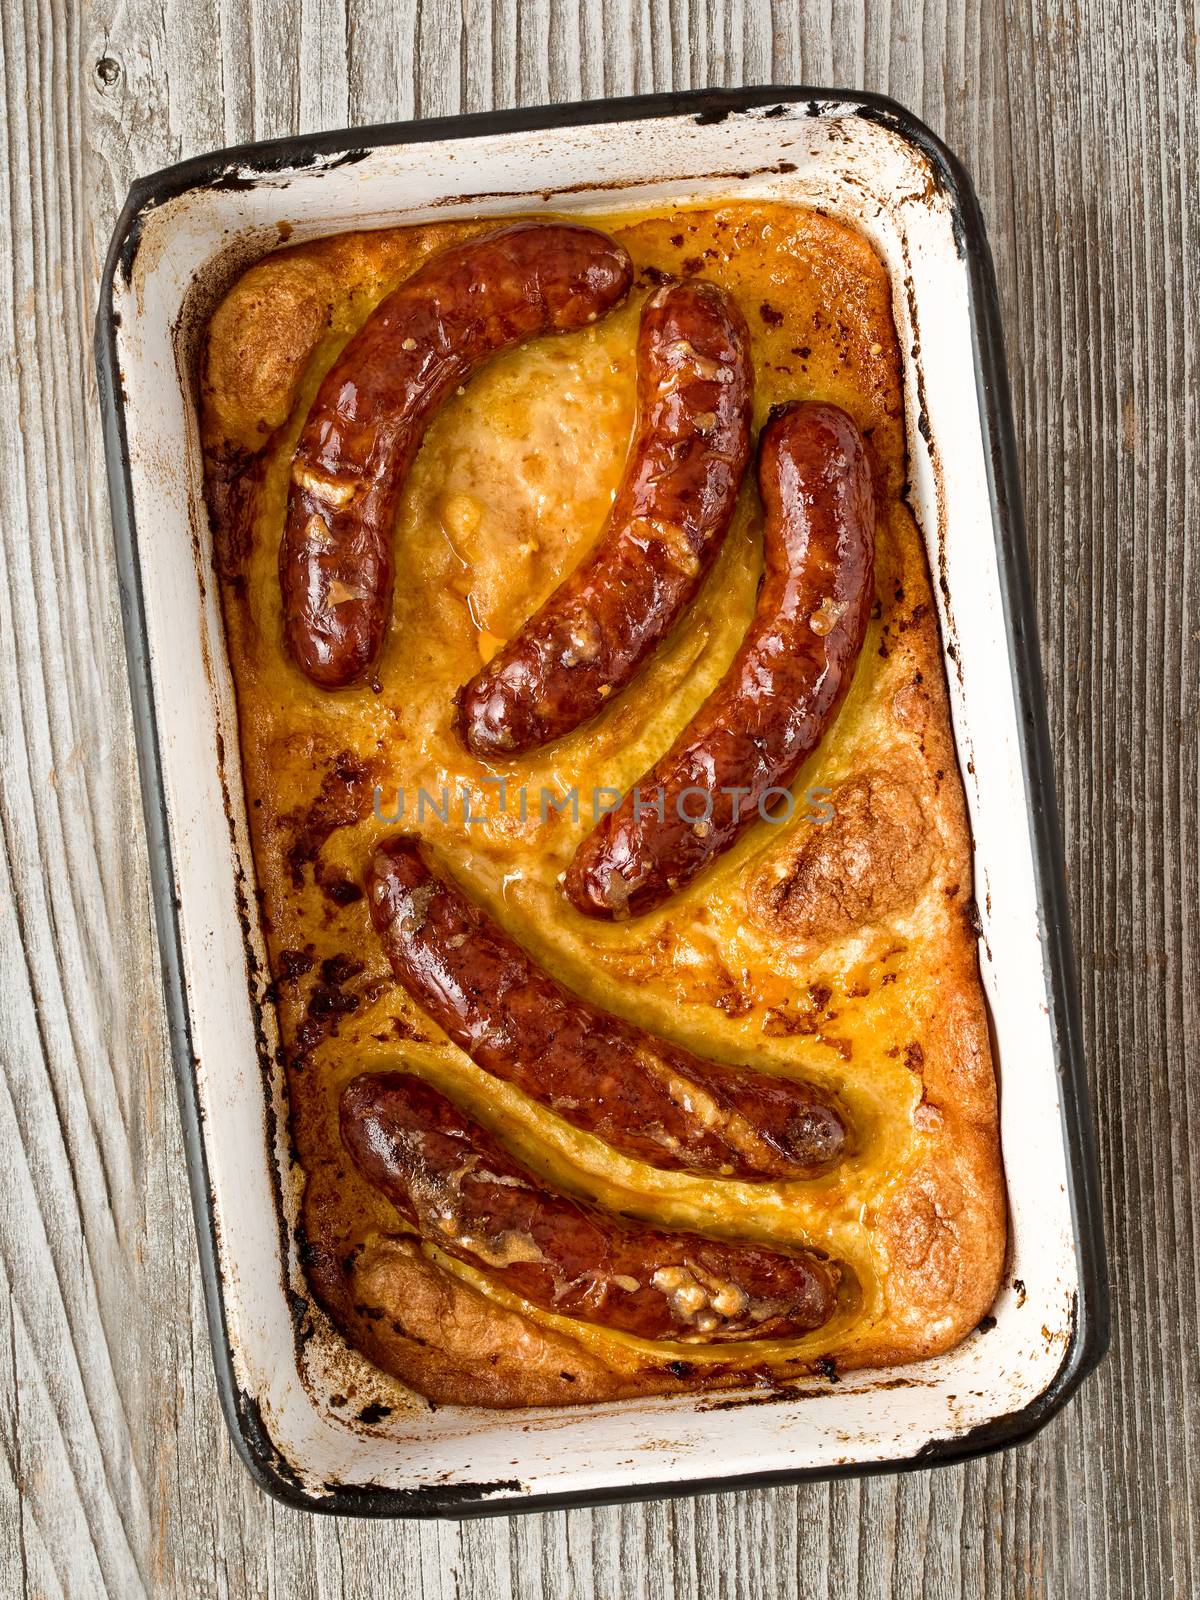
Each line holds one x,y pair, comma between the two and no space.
182,237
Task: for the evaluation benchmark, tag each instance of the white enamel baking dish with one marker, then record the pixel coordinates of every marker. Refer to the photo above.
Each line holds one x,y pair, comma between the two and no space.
182,237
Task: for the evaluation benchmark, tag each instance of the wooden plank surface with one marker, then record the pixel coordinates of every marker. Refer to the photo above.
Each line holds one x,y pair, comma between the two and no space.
1079,121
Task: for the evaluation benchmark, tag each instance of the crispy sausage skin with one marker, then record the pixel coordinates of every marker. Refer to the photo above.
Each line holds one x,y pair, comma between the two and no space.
668,520
449,1178
336,562
749,739
647,1098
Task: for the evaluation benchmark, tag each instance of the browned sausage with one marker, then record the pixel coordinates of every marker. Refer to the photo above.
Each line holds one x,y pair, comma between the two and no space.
643,1096
742,749
670,515
454,1182
336,562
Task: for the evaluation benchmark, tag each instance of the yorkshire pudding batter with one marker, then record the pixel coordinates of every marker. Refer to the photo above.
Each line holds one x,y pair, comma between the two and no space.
837,947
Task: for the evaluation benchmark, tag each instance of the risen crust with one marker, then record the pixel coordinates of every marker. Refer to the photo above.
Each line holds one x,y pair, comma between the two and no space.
842,948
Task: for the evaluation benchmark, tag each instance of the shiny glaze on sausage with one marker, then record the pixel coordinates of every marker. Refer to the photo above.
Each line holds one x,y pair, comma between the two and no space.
668,520
451,1179
336,561
645,1097
751,736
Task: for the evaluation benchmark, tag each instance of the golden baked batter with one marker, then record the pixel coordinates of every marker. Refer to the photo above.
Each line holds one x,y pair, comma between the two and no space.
844,948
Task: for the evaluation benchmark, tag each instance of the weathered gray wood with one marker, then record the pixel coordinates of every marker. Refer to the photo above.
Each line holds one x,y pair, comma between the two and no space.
1080,124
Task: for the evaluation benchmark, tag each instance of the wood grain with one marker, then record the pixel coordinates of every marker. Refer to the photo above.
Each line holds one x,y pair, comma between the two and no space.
1080,124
